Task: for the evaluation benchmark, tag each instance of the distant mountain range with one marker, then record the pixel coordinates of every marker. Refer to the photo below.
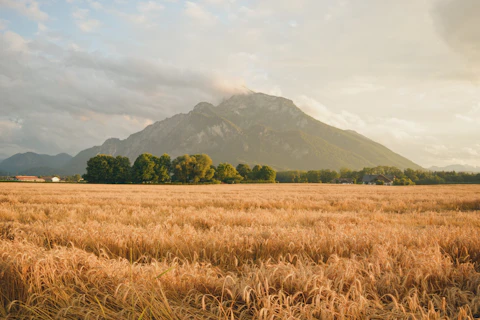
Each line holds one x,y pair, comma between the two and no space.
456,168
31,163
254,129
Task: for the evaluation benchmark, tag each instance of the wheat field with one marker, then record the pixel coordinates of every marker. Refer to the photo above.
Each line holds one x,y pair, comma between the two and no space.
304,251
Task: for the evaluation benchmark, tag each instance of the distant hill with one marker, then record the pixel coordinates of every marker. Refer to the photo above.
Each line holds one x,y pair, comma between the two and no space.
23,162
456,168
253,129
44,171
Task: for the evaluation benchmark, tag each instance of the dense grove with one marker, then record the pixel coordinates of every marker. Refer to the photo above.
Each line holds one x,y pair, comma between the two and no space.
196,168
270,251
402,177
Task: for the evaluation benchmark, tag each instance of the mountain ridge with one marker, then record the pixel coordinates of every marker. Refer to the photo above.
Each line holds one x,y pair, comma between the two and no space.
254,128
34,163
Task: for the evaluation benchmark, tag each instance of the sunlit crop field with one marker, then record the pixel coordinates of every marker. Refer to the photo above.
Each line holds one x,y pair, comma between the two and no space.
73,251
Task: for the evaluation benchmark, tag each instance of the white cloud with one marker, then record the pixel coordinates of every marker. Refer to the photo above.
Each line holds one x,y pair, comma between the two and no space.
343,119
471,151
80,14
95,5
30,9
357,85
149,7
199,13
41,27
89,96
89,25
471,117
83,21
14,42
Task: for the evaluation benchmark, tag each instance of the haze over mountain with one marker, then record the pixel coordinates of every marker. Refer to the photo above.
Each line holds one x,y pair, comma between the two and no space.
251,128
456,168
35,164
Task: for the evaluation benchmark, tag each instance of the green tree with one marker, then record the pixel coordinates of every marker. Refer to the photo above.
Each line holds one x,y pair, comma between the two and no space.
328,175
99,169
346,173
193,168
411,174
267,174
314,176
201,166
294,176
144,169
403,182
121,170
210,173
162,169
244,170
255,174
182,168
227,173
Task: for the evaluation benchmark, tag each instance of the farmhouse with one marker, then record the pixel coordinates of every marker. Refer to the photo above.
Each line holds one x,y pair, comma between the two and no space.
373,179
29,178
51,179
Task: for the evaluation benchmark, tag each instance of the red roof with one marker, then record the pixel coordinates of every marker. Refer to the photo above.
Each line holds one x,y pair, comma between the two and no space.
28,178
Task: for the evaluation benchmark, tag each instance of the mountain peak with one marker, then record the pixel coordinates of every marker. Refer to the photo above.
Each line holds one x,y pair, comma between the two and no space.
203,106
254,105
259,98
252,128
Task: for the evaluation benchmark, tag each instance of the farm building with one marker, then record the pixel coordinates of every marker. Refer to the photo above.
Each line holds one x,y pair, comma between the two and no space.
373,179
29,178
51,179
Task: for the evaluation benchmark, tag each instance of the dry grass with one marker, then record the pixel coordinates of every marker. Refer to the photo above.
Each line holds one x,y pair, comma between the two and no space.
239,252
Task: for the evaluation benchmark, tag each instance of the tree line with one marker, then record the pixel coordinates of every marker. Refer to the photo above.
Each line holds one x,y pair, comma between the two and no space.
197,168
402,177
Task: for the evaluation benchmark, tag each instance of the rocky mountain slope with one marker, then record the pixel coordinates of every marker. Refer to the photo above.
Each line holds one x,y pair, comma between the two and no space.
253,128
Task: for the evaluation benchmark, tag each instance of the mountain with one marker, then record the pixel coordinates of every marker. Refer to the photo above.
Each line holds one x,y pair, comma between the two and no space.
254,128
34,163
456,168
44,171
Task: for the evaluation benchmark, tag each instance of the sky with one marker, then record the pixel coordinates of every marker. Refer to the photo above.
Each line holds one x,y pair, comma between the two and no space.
74,73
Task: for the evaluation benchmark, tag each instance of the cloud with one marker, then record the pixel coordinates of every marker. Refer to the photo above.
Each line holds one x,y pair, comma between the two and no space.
63,100
14,42
359,85
459,25
83,21
30,9
344,119
41,27
149,7
89,25
470,117
199,13
95,5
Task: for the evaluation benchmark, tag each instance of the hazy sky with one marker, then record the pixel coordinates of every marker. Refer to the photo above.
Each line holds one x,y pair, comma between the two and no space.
404,73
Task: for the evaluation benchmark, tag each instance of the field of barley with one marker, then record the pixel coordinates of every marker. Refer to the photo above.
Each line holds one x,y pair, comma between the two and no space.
305,251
